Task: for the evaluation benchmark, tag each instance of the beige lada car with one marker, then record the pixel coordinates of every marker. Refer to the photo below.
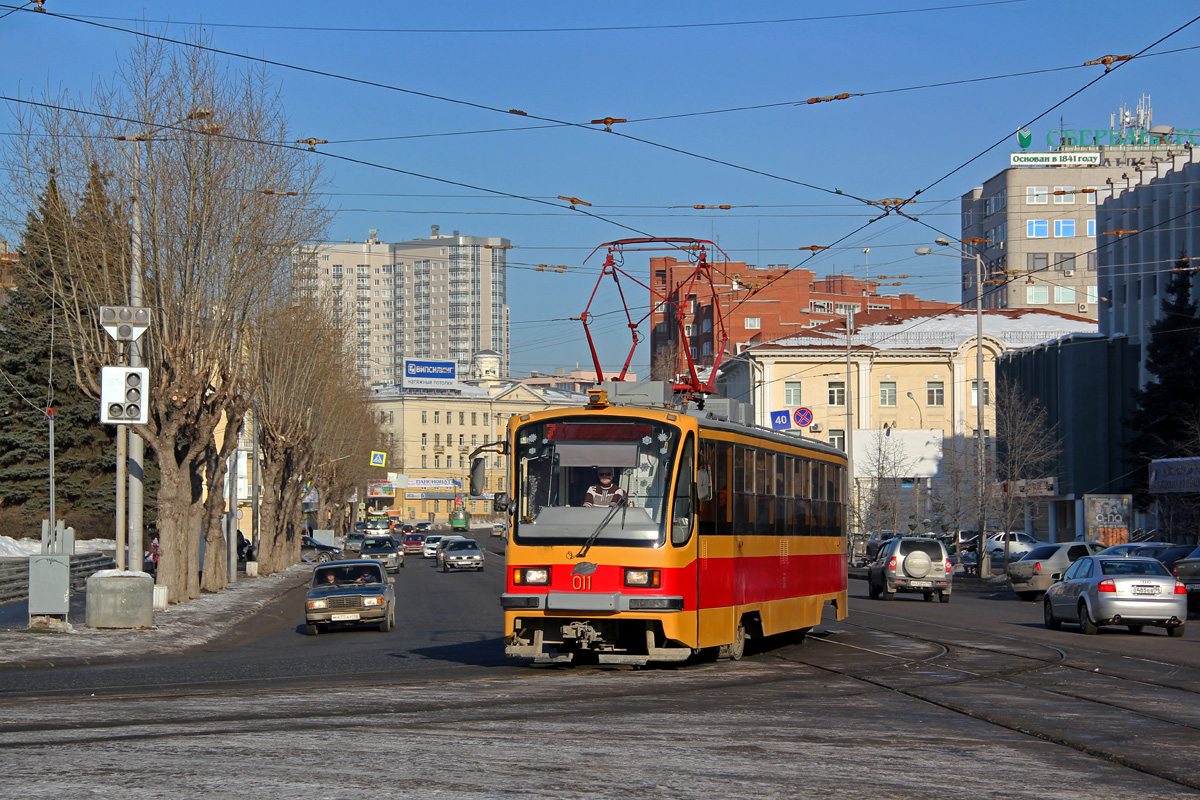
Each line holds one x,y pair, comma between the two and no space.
356,593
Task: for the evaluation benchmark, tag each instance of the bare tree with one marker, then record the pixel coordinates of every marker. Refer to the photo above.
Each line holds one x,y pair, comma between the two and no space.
215,252
881,497
1028,447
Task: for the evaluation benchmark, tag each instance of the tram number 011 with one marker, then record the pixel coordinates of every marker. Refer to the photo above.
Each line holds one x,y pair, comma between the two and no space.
581,582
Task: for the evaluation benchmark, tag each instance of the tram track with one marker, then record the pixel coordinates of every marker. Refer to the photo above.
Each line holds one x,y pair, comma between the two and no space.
927,692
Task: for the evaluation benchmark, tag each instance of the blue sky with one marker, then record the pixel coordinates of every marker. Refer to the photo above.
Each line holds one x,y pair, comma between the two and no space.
891,142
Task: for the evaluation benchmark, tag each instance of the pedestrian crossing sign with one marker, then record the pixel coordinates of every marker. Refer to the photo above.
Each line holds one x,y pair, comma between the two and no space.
378,459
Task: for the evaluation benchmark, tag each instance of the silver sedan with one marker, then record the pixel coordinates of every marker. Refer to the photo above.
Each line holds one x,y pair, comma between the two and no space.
1103,590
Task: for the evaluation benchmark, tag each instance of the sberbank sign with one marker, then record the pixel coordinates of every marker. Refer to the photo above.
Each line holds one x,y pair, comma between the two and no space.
1106,137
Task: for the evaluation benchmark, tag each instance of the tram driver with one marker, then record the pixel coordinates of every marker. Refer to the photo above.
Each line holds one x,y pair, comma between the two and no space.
606,492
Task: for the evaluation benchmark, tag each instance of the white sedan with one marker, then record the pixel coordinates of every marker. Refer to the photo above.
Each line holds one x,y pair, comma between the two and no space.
1018,545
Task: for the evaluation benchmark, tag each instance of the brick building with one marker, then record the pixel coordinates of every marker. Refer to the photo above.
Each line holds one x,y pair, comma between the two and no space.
759,305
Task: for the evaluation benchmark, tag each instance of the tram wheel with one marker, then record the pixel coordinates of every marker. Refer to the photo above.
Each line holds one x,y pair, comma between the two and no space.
736,650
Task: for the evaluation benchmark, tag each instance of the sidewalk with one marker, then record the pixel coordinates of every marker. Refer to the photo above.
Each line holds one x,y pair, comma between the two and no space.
181,626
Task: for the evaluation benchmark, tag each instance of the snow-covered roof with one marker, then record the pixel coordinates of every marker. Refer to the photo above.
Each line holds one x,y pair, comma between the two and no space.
918,329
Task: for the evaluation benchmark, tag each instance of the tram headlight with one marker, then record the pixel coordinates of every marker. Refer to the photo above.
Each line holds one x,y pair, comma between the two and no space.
531,576
643,577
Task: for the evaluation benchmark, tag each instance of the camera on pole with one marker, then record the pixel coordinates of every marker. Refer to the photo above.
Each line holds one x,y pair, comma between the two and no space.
123,395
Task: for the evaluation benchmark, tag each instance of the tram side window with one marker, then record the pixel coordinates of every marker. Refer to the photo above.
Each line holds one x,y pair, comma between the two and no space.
743,498
743,469
723,488
706,510
800,487
681,508
788,473
818,480
762,468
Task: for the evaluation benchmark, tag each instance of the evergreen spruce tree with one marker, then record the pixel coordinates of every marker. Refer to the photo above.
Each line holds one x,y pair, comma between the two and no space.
38,375
1168,408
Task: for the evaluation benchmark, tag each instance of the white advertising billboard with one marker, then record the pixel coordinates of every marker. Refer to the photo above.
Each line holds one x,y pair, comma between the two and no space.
425,374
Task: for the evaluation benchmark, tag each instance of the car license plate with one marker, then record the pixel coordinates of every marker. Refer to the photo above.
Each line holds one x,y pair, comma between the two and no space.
1145,590
1193,587
343,617
920,583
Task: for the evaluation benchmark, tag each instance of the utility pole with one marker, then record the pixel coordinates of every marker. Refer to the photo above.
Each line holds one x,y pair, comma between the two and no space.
851,494
136,445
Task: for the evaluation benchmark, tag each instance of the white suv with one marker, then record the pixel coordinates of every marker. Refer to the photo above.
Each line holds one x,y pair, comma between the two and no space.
911,565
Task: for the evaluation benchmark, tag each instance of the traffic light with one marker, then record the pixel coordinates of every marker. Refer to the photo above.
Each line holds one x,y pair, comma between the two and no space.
124,323
123,395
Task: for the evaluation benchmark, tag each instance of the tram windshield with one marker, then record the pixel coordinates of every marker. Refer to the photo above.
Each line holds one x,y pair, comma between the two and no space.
571,472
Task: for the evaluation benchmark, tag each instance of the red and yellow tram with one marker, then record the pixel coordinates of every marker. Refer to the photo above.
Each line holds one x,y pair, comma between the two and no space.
715,533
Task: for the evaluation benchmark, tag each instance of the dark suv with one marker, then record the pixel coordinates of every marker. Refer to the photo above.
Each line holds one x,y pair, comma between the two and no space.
910,565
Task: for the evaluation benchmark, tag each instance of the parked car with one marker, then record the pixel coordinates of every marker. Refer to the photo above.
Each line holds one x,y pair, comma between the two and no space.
424,526
1129,547
1043,565
440,552
354,541
1018,544
910,565
414,543
355,592
1097,591
499,529
1187,571
462,554
1166,555
312,550
429,550
385,549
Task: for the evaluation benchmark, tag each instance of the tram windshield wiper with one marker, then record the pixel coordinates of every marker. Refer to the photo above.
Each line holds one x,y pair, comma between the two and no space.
620,504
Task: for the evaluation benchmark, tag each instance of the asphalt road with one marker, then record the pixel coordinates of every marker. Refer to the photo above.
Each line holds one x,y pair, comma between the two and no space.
904,699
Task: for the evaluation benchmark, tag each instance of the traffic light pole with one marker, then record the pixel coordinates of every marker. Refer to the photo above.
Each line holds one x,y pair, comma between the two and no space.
136,445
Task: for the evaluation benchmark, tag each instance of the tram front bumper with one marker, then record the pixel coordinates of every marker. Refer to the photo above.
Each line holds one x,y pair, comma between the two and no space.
611,602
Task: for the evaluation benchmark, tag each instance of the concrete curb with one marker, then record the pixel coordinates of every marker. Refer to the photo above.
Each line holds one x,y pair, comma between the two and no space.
182,626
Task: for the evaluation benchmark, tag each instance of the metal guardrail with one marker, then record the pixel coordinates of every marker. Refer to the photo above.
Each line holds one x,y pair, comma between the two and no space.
14,574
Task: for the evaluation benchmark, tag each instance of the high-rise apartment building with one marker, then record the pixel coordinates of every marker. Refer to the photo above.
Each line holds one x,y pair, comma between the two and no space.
1039,222
440,298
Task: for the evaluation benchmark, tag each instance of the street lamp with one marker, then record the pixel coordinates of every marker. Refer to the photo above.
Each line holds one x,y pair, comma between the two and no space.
980,555
136,453
920,415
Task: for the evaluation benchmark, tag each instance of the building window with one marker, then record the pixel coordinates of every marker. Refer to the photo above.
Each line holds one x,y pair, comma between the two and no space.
424,417
437,418
791,393
1091,228
1091,261
1064,261
437,440
1037,262
1037,195
424,462
1066,199
1064,228
887,393
1092,294
987,395
1037,295
1064,294
1037,228
437,462
837,393
424,439
474,421
753,323
837,438
935,393
437,505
